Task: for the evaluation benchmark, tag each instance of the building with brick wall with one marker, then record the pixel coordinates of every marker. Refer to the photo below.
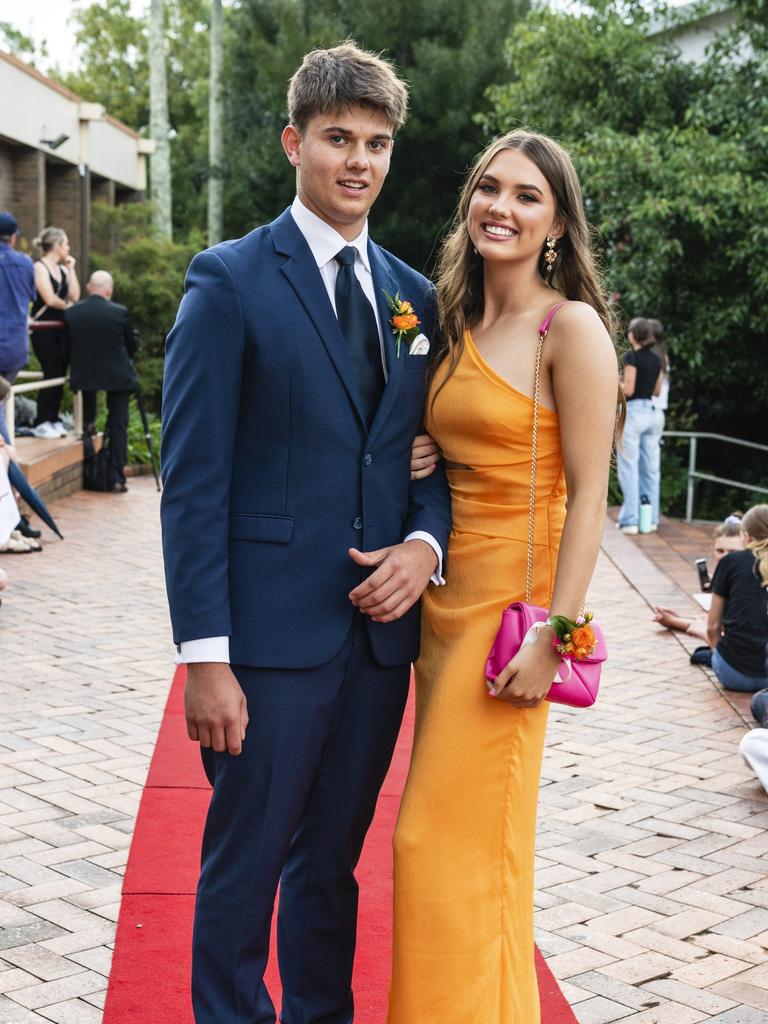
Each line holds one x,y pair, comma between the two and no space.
59,154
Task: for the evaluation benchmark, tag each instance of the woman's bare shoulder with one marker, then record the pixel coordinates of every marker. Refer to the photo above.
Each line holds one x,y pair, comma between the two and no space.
574,315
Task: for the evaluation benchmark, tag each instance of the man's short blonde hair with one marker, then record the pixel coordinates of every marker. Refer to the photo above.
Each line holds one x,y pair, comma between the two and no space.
341,77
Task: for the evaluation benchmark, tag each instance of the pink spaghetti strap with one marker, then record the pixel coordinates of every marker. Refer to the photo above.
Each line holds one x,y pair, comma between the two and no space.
544,329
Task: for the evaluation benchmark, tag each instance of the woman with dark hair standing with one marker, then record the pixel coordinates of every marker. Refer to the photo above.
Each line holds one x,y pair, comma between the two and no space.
638,457
57,289
519,303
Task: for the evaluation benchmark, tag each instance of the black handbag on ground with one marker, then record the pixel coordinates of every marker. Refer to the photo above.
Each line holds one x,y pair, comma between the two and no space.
97,472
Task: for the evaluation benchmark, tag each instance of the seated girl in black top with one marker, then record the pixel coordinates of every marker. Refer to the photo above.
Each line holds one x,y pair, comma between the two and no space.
737,625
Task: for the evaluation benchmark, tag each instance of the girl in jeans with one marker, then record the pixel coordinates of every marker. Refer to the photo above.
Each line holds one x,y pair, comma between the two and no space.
638,457
737,624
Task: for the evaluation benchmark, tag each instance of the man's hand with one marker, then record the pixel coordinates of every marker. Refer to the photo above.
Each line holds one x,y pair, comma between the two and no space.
215,707
402,576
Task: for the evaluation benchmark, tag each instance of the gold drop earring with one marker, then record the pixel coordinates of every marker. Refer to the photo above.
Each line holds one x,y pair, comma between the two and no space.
551,254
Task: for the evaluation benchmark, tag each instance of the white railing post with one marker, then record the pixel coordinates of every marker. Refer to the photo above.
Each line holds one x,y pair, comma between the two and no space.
691,480
78,408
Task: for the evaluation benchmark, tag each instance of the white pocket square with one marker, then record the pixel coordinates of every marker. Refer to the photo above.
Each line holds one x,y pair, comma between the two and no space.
419,346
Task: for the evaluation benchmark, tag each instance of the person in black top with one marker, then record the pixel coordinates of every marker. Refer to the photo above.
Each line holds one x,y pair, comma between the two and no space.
737,624
102,343
57,288
638,457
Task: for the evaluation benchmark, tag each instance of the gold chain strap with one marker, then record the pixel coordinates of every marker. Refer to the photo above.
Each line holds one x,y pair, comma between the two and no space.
534,448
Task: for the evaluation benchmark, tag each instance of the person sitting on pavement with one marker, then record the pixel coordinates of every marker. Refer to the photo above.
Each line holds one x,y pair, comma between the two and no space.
102,342
17,291
754,746
57,288
727,538
15,543
737,623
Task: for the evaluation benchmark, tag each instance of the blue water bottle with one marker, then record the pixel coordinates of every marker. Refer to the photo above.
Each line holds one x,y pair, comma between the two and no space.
644,518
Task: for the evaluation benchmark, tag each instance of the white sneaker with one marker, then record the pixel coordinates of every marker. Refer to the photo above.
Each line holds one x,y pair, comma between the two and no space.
59,426
655,528
631,530
46,430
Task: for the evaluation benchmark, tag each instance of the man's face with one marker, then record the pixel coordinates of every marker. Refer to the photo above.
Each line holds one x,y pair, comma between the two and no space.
342,159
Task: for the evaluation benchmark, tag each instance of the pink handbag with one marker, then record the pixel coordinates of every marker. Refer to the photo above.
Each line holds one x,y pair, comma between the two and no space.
577,681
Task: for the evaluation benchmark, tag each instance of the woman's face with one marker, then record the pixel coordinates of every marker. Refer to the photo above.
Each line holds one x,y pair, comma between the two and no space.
61,249
512,210
725,544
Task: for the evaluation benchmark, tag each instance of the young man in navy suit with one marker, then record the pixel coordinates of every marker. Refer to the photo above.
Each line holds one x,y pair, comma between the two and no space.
296,548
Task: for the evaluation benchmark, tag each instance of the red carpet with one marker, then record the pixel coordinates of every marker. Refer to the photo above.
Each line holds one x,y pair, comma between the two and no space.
149,981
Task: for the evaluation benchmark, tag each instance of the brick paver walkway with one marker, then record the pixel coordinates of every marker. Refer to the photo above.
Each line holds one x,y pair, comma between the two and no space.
85,666
652,887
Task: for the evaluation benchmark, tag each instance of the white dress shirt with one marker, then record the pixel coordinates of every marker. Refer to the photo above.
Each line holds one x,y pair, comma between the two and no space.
324,243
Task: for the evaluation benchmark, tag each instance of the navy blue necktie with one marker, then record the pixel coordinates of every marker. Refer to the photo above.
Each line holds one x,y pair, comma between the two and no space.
358,325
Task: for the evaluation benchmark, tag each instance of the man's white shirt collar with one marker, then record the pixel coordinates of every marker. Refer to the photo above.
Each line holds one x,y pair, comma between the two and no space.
323,240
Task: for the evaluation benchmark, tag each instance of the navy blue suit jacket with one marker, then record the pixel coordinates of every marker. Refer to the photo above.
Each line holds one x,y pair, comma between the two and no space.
270,473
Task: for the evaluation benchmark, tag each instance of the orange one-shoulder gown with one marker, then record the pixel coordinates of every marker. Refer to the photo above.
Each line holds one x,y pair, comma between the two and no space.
464,844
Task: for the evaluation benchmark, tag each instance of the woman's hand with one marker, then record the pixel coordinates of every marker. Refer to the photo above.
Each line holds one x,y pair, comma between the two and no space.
525,681
69,262
424,457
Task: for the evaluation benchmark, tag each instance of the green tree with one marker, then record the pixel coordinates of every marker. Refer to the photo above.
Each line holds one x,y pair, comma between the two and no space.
672,159
21,45
113,70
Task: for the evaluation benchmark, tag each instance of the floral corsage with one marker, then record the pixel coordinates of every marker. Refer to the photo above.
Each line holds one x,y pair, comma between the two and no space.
574,638
404,322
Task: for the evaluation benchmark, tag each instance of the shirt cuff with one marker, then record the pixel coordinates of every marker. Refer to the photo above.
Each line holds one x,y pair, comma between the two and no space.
210,648
437,575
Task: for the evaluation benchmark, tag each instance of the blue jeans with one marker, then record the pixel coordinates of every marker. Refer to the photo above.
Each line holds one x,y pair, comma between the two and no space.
732,679
638,460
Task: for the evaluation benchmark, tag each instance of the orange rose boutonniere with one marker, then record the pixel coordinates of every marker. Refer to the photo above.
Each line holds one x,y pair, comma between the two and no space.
574,639
404,322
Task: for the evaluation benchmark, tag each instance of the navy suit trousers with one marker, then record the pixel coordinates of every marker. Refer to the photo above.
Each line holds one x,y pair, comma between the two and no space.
293,809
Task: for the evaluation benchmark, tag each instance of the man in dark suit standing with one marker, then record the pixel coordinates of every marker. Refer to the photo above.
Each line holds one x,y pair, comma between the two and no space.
296,547
103,342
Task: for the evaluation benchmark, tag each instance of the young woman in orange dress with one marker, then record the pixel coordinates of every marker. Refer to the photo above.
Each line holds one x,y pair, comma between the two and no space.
516,265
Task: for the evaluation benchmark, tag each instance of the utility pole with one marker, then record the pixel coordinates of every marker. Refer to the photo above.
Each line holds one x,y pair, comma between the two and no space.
215,128
160,168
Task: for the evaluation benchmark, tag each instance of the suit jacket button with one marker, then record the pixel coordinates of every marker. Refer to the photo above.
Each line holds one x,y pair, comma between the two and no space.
368,459
358,523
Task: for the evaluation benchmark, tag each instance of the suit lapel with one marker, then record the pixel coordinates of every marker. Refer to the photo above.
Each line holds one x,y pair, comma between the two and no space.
303,274
384,282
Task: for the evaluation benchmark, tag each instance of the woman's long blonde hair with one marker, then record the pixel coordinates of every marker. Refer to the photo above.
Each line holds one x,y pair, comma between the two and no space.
460,268
755,523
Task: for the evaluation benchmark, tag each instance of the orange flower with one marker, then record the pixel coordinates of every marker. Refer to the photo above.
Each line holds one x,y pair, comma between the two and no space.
405,322
584,641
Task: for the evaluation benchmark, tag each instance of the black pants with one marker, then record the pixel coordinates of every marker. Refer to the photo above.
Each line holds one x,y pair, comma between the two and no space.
52,350
118,403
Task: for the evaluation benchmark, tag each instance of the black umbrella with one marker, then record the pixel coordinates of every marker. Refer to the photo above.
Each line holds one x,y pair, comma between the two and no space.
31,497
147,435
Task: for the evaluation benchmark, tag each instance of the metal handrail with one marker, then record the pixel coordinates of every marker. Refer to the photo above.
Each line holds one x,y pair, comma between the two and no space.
694,436
40,385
